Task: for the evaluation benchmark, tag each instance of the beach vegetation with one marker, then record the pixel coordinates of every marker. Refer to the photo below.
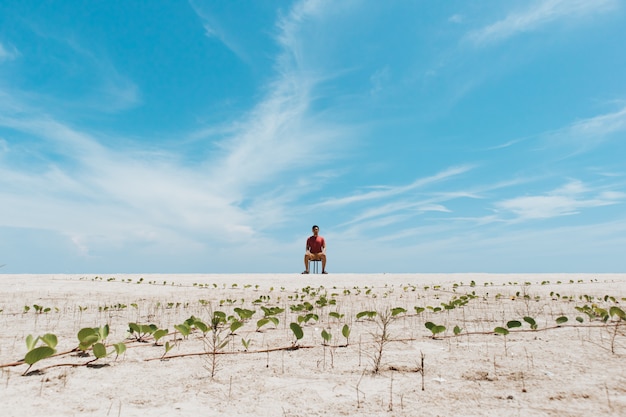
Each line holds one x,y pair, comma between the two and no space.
434,328
140,332
36,353
297,332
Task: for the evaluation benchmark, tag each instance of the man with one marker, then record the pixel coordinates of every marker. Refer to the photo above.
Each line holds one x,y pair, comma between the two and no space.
315,250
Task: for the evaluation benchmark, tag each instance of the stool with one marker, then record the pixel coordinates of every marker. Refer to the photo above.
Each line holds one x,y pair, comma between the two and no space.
315,265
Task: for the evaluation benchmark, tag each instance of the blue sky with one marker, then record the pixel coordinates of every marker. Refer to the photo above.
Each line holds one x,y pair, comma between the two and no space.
209,136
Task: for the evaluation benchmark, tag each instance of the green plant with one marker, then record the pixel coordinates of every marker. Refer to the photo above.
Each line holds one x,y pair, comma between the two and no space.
397,310
308,317
158,334
244,314
381,338
183,329
35,354
235,325
141,331
531,321
89,336
246,343
335,315
326,336
435,329
297,332
214,343
345,331
369,314
168,346
99,350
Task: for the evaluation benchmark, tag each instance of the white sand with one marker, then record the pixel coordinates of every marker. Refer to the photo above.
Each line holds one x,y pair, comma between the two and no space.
565,371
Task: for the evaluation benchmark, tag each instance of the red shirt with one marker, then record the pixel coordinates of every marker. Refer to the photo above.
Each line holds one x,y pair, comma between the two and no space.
315,244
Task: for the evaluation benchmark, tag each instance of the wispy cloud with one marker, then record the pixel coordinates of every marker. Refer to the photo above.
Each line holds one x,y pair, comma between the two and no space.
539,14
567,200
101,194
214,30
383,192
7,53
598,127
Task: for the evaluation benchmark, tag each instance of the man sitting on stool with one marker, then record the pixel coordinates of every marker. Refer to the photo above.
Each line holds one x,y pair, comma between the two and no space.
315,250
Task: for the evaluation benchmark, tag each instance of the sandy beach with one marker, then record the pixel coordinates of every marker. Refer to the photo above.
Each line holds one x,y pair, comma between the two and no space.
417,345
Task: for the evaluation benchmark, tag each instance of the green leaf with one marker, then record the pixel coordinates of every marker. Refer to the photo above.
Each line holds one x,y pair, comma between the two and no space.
345,331
168,346
274,320
243,313
438,329
200,325
361,314
616,311
326,336
262,322
31,342
38,354
530,321
99,350
334,314
419,310
50,340
561,320
159,334
148,328
245,343
103,332
501,330
297,330
87,332
120,348
311,316
513,323
429,325
235,325
277,310
579,319
397,310
133,328
183,329
87,342
457,330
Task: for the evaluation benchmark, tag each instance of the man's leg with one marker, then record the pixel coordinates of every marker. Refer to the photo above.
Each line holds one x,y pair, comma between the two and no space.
306,263
323,258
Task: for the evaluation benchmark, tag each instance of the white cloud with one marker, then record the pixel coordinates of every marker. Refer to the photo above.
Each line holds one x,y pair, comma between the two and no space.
106,197
599,126
539,14
567,200
587,134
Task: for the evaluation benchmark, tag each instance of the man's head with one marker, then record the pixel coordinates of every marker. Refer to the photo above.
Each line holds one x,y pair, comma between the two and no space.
315,229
